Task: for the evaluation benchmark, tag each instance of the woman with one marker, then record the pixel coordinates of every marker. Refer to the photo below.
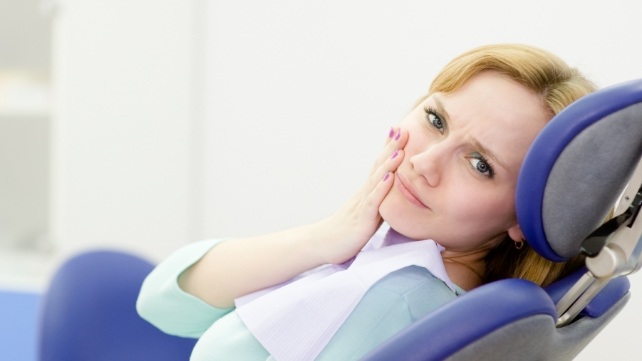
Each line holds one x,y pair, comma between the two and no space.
447,173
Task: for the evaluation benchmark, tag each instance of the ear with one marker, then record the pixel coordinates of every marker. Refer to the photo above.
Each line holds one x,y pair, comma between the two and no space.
515,233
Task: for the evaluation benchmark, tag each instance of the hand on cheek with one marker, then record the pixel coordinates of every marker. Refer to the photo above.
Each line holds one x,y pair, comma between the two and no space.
357,220
387,163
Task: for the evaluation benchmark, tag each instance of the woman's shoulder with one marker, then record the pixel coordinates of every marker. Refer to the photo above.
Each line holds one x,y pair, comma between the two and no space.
391,304
412,279
415,288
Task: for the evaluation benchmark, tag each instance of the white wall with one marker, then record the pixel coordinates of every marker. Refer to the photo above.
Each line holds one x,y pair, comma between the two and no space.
299,96
124,156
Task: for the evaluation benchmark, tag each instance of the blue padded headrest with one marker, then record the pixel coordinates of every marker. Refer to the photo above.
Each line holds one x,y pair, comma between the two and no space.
577,167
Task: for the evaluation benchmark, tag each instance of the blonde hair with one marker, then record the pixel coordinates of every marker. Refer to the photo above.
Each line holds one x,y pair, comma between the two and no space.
558,85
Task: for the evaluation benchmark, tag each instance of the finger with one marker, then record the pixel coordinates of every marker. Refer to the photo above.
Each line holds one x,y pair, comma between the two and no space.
387,166
391,134
375,197
402,138
394,142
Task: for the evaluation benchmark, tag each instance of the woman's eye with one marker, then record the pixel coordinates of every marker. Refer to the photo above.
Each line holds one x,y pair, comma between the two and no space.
434,119
482,166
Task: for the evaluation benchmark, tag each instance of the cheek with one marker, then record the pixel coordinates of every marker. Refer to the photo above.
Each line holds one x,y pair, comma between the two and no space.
419,138
392,206
414,120
405,219
483,208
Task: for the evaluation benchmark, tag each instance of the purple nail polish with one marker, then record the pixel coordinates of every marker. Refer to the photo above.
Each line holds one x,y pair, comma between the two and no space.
386,176
395,154
398,134
391,133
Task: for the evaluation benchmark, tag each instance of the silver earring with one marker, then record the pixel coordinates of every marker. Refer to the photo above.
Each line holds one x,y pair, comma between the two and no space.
519,244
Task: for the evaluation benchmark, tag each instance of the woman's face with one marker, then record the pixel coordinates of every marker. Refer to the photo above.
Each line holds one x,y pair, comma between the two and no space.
456,183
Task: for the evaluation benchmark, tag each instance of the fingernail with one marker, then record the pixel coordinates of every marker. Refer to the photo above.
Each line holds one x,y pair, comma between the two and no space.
386,176
395,154
398,134
391,133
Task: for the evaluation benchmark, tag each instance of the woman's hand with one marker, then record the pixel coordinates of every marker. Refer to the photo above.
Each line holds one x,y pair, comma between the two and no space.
238,267
350,228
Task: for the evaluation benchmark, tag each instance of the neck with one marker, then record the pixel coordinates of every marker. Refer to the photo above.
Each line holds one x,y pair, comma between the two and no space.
466,256
466,269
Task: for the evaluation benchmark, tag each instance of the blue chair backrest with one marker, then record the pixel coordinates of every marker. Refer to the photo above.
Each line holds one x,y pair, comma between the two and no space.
89,313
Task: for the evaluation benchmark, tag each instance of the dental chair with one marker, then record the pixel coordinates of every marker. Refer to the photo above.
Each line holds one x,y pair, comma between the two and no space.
584,161
584,164
89,313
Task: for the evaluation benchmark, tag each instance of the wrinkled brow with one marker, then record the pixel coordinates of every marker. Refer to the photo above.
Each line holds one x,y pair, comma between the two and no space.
439,105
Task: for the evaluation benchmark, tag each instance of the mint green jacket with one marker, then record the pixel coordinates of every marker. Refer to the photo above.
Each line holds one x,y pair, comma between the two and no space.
390,305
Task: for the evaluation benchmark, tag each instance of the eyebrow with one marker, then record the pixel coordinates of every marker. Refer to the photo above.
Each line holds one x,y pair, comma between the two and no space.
474,141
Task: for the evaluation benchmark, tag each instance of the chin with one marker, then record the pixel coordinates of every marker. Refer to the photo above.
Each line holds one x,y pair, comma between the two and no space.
399,221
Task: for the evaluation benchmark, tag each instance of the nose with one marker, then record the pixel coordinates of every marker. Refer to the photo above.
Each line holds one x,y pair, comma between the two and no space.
431,161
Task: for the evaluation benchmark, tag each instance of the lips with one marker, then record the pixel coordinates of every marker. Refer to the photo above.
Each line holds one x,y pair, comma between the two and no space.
408,191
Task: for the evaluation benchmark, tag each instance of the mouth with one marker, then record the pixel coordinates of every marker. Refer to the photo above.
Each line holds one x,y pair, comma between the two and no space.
408,191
